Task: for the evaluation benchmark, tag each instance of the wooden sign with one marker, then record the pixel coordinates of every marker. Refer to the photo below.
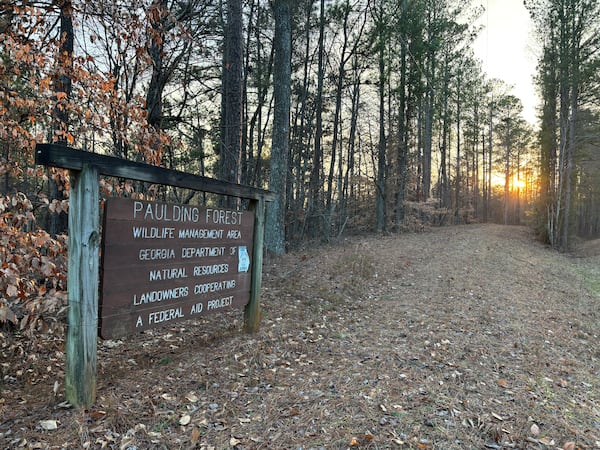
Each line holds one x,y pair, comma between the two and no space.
164,262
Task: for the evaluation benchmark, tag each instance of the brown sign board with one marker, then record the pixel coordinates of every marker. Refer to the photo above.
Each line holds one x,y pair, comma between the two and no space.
165,262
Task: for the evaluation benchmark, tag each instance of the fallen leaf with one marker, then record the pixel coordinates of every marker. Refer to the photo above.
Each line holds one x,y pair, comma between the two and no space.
7,315
191,397
534,430
126,442
569,446
49,424
185,419
502,383
97,414
233,441
195,436
546,441
291,412
11,290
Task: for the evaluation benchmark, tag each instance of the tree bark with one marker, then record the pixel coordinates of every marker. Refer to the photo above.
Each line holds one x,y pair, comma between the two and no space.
315,208
457,181
275,228
232,97
63,87
402,151
381,146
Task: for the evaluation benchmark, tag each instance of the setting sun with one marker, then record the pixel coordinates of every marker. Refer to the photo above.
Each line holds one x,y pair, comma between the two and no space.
498,180
520,183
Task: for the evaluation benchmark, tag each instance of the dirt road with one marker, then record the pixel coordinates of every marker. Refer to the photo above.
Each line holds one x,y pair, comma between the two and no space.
465,337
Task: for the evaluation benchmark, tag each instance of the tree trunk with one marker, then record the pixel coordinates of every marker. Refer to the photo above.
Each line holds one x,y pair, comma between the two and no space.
155,52
507,172
275,227
457,181
566,230
63,85
315,209
381,165
348,190
548,137
402,152
444,193
300,145
430,70
338,111
490,151
232,96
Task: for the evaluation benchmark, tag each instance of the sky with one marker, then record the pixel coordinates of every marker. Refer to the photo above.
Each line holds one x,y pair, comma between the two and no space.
505,48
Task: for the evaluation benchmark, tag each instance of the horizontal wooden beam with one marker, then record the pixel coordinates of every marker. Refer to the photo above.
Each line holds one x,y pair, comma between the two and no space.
69,158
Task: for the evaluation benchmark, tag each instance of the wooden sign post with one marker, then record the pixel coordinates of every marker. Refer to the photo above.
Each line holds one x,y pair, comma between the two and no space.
82,286
84,243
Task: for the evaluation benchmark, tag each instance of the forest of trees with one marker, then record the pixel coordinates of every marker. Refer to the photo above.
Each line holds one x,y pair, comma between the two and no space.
358,114
569,139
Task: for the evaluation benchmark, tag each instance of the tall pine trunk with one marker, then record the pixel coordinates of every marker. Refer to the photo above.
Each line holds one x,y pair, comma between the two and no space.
232,97
381,146
275,226
315,209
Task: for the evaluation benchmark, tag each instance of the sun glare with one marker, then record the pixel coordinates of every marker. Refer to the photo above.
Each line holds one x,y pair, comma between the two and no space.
498,181
519,183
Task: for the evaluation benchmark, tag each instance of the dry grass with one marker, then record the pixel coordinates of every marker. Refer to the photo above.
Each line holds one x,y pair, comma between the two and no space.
458,338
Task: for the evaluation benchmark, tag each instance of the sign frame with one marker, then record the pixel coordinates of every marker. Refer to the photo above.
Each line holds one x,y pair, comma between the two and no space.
85,169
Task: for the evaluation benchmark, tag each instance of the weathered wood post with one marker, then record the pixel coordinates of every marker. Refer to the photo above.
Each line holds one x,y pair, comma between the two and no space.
84,241
252,310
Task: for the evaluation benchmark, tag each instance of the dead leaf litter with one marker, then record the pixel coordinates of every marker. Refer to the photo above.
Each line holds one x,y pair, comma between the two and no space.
467,337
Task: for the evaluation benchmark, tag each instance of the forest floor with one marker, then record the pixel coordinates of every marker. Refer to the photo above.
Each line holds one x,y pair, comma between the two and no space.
466,337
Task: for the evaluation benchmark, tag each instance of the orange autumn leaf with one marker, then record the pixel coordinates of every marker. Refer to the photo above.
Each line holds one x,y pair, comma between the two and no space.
45,83
195,438
41,240
97,414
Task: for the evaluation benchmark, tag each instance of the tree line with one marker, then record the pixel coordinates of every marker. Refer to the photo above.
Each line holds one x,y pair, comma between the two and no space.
569,139
358,114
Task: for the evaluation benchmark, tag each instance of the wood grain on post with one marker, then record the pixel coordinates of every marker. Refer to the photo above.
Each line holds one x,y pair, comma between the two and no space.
252,310
84,219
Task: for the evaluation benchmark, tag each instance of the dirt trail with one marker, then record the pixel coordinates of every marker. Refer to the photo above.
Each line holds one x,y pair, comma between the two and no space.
466,337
